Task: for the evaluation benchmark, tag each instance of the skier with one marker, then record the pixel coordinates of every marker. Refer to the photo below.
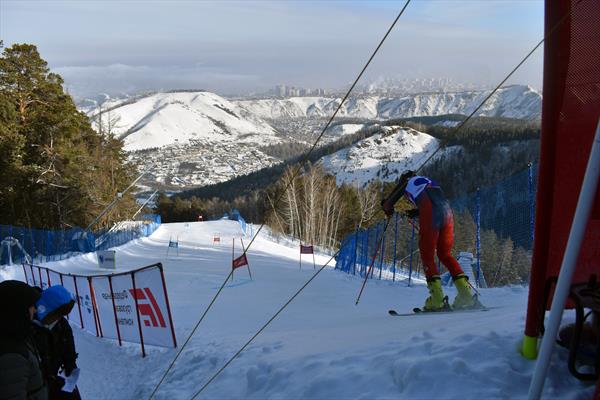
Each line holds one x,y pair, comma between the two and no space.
436,231
54,339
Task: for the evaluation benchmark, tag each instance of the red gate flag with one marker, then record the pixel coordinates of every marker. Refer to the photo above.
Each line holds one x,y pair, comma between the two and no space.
240,261
306,249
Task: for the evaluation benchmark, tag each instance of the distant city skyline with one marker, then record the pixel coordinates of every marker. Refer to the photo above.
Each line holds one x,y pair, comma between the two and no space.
236,48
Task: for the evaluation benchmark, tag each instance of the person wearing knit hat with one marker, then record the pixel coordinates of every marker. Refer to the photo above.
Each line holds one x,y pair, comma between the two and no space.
20,373
54,339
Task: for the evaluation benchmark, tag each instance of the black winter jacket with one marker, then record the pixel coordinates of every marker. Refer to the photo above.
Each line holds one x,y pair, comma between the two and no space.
20,374
57,351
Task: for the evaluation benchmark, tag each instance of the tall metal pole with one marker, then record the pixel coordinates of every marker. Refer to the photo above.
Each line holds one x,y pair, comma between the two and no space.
117,198
395,241
144,205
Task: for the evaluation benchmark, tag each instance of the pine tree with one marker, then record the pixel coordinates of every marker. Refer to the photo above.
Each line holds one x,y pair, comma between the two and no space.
57,162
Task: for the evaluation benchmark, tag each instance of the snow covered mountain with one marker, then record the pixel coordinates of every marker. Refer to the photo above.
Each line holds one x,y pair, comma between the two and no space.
165,119
196,138
517,101
383,156
191,138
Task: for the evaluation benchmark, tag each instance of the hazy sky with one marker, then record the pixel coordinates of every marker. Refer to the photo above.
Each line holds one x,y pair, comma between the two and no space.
237,47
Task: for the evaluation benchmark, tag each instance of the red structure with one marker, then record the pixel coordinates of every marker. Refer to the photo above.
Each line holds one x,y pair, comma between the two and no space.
570,114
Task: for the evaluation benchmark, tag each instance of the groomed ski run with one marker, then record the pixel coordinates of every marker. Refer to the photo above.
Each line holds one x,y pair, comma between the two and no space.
322,346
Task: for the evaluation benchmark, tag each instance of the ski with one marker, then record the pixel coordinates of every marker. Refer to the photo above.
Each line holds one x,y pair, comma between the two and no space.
418,311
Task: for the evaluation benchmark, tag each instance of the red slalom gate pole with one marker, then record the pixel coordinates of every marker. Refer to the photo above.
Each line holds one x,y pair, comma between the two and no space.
387,221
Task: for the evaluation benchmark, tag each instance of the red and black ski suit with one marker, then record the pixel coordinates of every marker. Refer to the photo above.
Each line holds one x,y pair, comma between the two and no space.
436,225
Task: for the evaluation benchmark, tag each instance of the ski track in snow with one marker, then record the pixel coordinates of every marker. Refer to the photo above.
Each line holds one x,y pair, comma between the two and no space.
321,347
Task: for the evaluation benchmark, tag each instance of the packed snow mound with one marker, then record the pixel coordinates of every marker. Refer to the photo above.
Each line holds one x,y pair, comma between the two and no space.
164,119
383,156
516,101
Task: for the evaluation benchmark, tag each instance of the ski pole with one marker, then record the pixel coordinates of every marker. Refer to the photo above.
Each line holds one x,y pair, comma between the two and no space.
473,287
387,221
412,222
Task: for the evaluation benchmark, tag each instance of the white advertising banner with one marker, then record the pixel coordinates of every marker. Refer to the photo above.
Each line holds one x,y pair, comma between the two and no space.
74,315
45,284
153,307
107,259
34,273
55,280
131,307
87,305
125,308
105,307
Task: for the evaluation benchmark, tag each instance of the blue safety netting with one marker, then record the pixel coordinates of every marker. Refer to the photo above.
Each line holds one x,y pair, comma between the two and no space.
236,216
19,244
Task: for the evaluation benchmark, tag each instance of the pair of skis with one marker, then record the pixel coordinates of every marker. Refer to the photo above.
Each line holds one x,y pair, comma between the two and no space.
446,310
420,311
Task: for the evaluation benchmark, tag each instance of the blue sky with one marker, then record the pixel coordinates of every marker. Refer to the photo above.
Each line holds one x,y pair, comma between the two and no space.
244,46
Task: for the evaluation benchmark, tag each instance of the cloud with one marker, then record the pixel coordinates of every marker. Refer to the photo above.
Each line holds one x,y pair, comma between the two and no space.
235,47
88,80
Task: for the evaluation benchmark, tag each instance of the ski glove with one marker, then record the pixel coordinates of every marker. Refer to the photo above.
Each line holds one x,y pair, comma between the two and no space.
388,208
414,213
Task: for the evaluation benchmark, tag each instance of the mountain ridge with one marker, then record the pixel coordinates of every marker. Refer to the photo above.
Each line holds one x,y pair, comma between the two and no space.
515,101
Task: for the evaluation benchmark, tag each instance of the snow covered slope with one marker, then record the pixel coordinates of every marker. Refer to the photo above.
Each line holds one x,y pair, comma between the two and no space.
383,156
322,346
516,101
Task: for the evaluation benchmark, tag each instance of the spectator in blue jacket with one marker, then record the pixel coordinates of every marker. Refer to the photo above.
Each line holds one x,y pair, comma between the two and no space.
54,339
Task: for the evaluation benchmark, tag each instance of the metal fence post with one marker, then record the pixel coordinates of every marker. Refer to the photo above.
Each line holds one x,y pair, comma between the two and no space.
412,243
478,238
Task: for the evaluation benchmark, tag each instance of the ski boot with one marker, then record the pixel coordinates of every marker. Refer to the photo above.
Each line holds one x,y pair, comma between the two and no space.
465,298
436,300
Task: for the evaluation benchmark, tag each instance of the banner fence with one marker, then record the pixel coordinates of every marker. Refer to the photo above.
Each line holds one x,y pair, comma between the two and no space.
130,306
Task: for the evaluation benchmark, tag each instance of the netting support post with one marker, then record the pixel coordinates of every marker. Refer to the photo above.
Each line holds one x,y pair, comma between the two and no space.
382,253
478,233
366,252
355,250
395,241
